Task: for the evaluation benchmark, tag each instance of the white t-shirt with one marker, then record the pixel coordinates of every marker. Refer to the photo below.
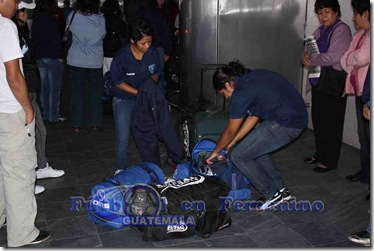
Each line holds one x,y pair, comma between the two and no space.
9,50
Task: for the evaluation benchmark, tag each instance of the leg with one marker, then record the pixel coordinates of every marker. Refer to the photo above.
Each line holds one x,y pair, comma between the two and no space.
318,115
40,133
56,74
364,138
266,138
18,162
76,102
44,91
334,124
122,111
95,92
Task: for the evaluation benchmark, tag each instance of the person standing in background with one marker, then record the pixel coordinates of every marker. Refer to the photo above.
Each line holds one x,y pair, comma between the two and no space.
44,170
116,31
66,9
328,112
85,56
355,62
17,140
49,58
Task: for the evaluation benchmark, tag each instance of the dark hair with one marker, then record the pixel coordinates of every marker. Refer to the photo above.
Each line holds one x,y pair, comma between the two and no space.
88,6
360,6
228,73
43,6
140,28
333,4
111,7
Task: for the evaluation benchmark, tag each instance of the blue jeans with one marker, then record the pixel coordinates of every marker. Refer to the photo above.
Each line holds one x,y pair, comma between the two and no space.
252,155
95,81
122,113
51,72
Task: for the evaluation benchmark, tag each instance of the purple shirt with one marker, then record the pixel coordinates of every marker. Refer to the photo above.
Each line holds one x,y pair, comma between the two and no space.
339,43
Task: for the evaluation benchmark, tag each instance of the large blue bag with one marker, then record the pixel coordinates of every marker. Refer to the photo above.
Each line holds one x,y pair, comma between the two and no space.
225,169
107,202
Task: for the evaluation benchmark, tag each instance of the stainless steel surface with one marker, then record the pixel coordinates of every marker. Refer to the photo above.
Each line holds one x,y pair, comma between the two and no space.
260,33
198,28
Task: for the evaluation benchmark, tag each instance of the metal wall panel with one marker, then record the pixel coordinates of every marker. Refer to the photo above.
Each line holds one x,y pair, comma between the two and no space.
263,34
198,28
260,33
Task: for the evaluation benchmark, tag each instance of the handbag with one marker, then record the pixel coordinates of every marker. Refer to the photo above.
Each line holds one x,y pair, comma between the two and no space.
67,39
331,82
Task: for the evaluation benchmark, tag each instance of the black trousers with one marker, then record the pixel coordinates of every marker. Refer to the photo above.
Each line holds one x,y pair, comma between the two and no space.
363,130
328,121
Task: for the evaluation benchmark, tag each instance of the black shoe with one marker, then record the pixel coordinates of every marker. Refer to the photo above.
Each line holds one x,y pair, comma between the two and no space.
319,169
286,195
362,237
42,237
353,178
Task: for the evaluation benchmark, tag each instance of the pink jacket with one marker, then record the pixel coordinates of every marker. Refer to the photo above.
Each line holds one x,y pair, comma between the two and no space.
357,57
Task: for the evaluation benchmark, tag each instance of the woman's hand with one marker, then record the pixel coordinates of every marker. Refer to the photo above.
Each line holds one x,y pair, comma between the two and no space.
366,112
209,159
229,146
306,60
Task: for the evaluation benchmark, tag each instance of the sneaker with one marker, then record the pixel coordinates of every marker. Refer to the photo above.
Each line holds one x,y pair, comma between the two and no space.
39,189
274,201
48,172
42,237
362,237
286,195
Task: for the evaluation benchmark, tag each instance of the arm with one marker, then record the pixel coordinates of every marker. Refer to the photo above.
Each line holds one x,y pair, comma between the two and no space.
356,57
18,87
247,126
226,137
339,43
127,88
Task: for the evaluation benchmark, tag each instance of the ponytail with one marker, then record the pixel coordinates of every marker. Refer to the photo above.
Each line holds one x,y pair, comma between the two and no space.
228,73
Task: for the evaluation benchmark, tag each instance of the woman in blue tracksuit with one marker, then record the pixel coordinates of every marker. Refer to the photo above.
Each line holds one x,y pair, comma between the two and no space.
266,95
133,63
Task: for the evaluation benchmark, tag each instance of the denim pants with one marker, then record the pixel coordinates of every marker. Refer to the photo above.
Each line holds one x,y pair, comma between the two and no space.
94,92
252,155
122,113
51,72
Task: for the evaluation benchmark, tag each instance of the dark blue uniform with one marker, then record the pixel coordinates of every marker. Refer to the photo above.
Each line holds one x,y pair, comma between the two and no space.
270,96
126,68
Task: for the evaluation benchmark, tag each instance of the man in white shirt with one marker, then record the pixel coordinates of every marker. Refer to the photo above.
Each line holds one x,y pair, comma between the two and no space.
17,140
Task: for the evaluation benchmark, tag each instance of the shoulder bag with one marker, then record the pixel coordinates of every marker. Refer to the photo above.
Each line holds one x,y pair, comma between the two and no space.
68,36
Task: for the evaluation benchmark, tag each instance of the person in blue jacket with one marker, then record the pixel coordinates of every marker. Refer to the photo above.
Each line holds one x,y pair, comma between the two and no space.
133,63
259,95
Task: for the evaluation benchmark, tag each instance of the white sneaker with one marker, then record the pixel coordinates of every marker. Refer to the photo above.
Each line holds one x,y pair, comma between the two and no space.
273,202
39,189
48,172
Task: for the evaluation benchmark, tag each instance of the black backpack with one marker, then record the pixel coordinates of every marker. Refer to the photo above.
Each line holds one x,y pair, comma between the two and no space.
198,190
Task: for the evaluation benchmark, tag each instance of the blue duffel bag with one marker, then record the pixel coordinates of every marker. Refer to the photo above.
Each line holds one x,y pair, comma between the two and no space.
107,198
224,168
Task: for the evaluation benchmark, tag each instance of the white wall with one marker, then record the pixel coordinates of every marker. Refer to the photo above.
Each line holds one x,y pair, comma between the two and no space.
350,125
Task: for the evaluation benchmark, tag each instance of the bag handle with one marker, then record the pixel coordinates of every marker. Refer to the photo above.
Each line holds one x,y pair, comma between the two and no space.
71,20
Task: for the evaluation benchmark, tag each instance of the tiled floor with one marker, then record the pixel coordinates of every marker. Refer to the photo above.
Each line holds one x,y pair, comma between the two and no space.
87,157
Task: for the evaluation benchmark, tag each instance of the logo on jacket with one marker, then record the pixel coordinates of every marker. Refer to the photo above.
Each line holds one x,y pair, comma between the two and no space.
151,68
